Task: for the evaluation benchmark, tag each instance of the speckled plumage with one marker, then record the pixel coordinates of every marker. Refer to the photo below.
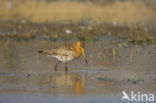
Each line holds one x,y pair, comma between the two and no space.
63,54
66,53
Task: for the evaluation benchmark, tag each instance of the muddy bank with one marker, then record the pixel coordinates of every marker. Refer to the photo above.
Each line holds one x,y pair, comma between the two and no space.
92,31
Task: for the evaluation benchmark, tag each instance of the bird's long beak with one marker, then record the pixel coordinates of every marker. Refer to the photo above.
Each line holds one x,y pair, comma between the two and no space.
84,55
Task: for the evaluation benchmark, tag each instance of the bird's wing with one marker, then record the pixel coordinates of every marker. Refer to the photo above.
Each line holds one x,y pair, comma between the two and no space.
64,51
60,51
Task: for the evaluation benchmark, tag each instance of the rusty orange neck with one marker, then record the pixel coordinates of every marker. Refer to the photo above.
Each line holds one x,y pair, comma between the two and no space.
78,46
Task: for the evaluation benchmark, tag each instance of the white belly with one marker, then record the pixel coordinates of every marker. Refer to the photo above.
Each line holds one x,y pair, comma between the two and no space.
64,58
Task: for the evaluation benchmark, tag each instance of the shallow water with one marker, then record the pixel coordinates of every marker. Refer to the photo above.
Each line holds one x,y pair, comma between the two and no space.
113,67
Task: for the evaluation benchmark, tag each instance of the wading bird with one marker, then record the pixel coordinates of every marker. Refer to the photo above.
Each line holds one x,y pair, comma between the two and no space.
66,53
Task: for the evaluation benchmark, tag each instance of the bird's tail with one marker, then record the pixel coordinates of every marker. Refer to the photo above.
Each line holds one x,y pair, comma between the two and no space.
47,52
41,51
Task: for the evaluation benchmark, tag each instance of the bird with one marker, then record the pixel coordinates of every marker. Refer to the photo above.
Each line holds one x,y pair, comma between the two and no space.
66,53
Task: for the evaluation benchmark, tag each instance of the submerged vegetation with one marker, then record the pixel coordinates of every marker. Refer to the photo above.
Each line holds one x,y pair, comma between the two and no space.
66,31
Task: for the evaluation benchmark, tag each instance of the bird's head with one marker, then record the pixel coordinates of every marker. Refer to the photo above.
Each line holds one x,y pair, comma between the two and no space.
80,45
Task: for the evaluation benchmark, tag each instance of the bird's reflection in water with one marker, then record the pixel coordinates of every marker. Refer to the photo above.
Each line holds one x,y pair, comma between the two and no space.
71,83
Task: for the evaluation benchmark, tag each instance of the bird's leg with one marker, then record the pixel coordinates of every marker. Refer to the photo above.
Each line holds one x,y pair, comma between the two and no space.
66,67
56,65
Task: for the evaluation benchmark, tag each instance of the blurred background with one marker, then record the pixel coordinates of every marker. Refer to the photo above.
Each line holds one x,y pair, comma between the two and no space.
133,20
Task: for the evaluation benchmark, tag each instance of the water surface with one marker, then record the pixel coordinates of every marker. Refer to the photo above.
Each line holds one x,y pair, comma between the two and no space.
26,76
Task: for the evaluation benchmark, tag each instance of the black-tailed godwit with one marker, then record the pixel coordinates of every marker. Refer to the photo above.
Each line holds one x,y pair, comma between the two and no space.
66,53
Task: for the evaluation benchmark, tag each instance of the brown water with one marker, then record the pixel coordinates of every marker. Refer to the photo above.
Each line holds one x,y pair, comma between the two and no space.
26,76
121,50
